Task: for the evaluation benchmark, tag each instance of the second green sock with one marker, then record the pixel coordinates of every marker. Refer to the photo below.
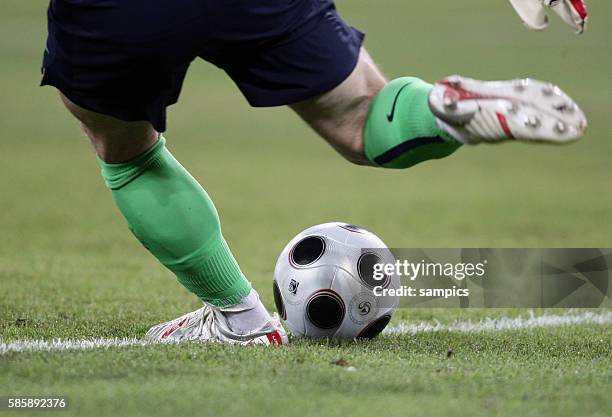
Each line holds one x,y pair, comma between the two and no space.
400,130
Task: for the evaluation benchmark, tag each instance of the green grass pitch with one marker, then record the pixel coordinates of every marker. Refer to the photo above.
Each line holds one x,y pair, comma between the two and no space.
70,269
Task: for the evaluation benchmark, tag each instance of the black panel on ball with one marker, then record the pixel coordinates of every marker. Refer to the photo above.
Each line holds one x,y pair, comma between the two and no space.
352,228
278,300
308,250
373,329
325,310
365,268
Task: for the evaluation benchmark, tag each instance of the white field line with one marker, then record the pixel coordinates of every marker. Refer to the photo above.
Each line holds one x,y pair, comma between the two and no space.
67,344
486,325
502,324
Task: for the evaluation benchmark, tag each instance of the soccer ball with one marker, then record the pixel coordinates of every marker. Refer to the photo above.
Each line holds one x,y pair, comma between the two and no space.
324,283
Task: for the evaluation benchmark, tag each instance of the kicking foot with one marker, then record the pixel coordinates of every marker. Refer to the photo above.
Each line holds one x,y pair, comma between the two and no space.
526,110
211,324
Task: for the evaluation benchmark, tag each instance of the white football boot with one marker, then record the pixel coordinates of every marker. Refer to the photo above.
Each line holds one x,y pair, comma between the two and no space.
210,324
525,110
533,13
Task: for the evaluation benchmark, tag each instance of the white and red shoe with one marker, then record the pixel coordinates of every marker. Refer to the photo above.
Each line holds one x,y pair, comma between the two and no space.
533,13
209,324
525,110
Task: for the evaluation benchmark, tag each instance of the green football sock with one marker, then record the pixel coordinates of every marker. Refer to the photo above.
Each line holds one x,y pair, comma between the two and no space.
400,130
173,217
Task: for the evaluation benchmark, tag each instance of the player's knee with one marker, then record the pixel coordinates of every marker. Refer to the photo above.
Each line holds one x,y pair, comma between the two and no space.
114,140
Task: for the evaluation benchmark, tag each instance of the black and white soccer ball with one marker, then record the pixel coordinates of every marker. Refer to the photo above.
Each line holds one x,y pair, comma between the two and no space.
324,283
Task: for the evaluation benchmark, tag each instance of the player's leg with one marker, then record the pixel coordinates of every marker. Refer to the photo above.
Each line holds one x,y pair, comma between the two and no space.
118,86
316,63
372,121
400,123
320,68
173,217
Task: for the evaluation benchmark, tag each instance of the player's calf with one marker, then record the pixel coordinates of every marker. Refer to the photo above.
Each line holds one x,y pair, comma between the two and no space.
338,116
407,121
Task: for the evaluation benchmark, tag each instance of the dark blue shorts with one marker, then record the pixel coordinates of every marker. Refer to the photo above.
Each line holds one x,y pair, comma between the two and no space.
128,59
